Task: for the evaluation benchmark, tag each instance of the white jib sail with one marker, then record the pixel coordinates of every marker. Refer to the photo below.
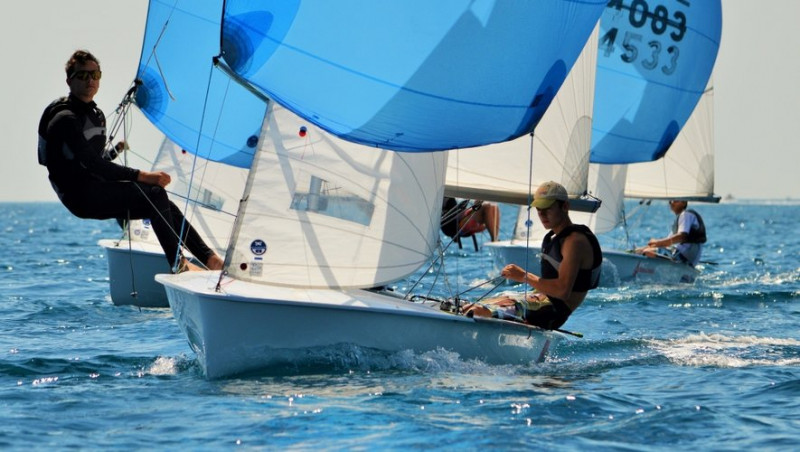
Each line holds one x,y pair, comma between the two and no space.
323,212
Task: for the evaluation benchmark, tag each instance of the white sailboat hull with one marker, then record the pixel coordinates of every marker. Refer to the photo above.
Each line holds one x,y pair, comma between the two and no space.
618,266
249,327
132,267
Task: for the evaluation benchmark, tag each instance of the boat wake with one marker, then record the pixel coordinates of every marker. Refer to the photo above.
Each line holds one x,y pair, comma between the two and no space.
718,350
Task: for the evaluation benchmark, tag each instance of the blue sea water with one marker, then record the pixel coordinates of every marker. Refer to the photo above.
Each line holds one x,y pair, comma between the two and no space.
710,366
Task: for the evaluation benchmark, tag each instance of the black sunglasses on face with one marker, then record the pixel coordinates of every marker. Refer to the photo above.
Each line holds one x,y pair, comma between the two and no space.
84,75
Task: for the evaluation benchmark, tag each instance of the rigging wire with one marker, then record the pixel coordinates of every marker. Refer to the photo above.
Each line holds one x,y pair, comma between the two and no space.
529,222
122,120
450,215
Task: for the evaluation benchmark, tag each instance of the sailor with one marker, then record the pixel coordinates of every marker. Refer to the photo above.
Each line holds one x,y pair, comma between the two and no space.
687,237
72,144
571,260
460,221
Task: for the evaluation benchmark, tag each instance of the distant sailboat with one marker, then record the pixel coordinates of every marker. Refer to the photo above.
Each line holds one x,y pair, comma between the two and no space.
685,172
210,121
640,105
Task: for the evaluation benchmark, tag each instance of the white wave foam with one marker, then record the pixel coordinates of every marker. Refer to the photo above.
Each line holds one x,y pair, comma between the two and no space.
163,365
719,350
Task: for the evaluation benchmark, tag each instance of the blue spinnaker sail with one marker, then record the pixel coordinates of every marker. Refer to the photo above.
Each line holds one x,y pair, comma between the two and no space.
654,60
410,75
190,100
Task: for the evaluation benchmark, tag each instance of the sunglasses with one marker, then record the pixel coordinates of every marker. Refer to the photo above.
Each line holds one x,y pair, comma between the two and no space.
85,75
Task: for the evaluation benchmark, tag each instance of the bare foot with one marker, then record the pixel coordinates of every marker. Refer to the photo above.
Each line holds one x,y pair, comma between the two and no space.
214,262
186,266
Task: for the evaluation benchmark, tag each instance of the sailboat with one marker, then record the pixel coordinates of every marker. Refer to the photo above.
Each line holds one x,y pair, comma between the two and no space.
686,172
345,188
211,125
639,107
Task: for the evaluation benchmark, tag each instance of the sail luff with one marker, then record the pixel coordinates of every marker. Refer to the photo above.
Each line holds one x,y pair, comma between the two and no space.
238,222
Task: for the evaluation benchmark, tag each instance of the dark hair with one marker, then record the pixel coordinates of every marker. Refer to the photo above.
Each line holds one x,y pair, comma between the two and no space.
79,57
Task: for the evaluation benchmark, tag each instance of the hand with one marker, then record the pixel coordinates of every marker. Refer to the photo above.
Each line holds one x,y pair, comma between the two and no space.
513,272
653,243
505,302
159,178
121,146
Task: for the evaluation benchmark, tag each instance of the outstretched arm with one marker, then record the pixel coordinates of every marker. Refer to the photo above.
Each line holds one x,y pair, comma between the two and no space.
574,250
668,241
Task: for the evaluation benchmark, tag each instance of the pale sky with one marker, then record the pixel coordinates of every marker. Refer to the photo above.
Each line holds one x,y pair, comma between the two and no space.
756,95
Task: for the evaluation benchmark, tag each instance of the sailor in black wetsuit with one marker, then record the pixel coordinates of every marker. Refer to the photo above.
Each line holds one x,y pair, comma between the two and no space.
571,260
72,144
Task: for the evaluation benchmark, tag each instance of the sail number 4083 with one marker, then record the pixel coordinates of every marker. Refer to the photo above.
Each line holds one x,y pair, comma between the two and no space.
639,13
652,54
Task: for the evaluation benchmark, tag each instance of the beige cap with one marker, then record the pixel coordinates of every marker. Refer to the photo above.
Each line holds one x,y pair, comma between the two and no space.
547,194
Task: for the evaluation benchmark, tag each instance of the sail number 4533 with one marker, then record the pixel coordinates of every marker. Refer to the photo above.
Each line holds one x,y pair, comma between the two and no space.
652,52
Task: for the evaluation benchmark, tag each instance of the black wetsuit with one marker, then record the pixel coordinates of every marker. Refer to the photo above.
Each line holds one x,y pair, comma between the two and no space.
451,214
554,315
72,138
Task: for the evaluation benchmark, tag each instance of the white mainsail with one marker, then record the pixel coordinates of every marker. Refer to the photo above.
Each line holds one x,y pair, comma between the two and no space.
687,169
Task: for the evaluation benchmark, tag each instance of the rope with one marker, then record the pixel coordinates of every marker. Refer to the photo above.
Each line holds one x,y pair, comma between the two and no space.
447,216
120,116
